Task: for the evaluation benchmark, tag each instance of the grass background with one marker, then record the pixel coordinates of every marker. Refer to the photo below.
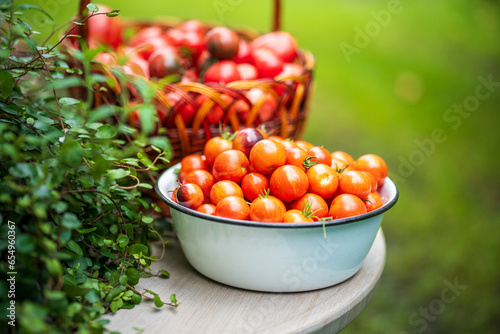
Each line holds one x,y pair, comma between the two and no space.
386,99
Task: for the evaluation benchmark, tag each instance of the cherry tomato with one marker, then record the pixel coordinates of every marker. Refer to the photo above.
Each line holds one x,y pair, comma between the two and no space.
346,205
146,48
355,183
222,43
146,33
268,64
266,156
137,66
289,144
247,71
164,62
340,155
174,195
190,195
223,189
277,139
190,163
233,207
222,72
267,209
253,185
184,109
374,164
281,43
173,37
230,165
297,157
322,154
104,29
215,114
296,216
312,205
373,201
208,209
373,180
246,139
242,109
214,147
341,166
288,183
244,54
203,179
268,107
194,43
194,26
323,180
306,146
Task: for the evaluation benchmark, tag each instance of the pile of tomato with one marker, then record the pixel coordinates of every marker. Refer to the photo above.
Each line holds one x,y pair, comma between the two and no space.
264,178
193,52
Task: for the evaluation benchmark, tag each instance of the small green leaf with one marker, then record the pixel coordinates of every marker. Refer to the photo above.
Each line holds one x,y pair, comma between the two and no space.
106,131
133,276
122,240
113,13
158,302
68,101
137,249
92,296
70,221
123,279
93,8
117,173
173,299
74,247
114,306
6,84
145,185
147,220
136,299
165,273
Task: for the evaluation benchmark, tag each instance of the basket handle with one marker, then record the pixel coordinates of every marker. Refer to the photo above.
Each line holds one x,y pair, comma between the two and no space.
84,30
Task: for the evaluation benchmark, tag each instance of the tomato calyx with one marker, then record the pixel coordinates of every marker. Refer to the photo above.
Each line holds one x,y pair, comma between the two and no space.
341,170
309,162
265,193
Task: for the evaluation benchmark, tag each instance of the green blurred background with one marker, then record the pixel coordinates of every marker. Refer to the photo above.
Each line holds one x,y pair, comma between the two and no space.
397,92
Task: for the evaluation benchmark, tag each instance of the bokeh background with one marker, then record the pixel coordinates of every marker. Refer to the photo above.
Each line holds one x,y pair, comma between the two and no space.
417,82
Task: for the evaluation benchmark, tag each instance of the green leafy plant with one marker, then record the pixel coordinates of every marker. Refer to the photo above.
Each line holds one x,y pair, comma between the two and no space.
73,180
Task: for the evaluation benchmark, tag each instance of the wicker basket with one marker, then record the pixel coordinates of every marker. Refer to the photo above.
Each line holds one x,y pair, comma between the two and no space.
290,94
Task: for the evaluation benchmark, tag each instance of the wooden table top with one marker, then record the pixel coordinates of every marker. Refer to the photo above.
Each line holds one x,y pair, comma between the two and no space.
210,307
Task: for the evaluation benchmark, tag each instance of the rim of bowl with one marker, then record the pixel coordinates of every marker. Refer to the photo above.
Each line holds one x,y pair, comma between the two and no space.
222,220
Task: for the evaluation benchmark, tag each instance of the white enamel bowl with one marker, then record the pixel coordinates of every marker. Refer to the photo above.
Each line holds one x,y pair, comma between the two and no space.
274,257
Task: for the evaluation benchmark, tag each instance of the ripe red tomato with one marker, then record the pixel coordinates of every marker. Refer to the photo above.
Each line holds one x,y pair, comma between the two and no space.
203,179
230,165
268,107
208,209
194,26
222,43
289,144
340,155
312,205
296,216
267,209
242,110
215,114
233,207
253,185
184,109
190,163
247,71
164,62
266,156
104,29
321,154
137,66
341,166
173,37
222,72
268,64
374,164
373,180
144,34
297,157
214,147
280,42
306,146
373,201
244,54
288,183
223,189
323,180
147,47
194,43
355,183
246,139
346,205
190,195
